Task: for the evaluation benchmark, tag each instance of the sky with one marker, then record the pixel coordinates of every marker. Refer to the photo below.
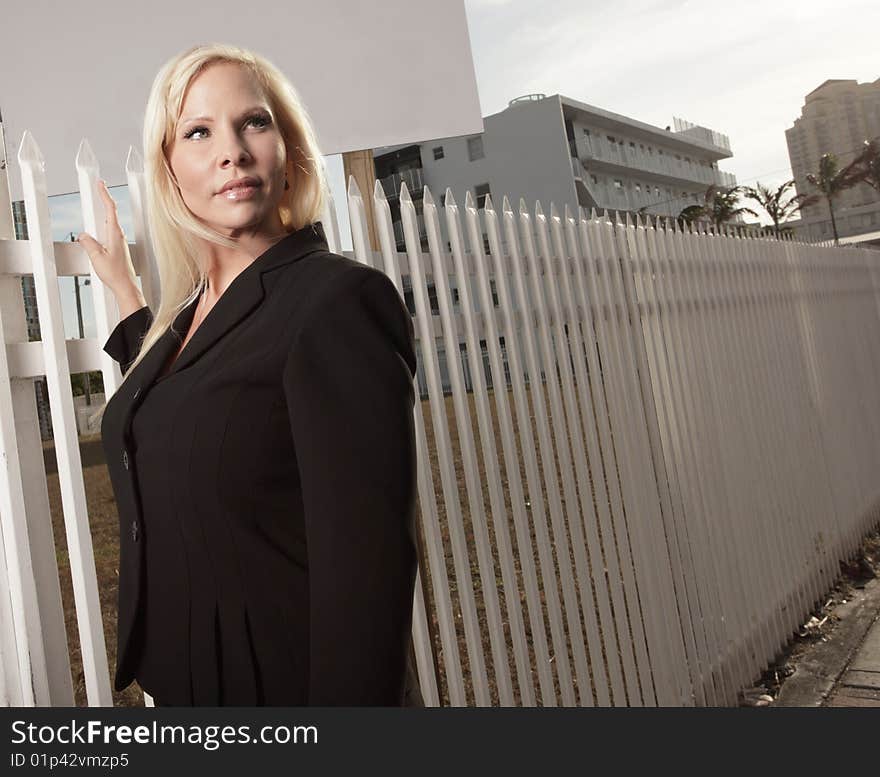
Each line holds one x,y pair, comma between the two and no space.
742,70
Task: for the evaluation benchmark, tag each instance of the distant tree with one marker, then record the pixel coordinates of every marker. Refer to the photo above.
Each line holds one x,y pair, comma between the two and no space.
721,205
78,382
830,179
780,204
869,163
691,214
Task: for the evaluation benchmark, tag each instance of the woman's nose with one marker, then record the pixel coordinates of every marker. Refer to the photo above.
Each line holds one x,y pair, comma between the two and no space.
236,151
236,157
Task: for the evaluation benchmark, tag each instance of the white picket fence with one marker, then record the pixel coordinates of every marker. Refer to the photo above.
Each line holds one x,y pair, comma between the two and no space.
701,451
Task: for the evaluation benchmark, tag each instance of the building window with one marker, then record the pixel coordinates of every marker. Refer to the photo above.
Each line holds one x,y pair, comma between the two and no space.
657,190
594,179
638,187
632,145
480,191
438,152
611,138
586,132
660,151
475,148
618,184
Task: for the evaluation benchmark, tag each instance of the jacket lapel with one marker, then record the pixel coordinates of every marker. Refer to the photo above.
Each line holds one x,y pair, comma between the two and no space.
244,294
168,344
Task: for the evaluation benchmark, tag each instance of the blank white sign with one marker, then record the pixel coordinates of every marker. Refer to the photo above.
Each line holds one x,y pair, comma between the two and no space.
370,74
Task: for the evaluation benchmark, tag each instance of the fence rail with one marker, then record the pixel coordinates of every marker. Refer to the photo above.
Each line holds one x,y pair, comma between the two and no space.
646,450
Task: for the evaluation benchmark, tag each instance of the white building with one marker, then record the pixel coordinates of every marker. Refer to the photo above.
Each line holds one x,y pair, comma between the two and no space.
555,149
837,117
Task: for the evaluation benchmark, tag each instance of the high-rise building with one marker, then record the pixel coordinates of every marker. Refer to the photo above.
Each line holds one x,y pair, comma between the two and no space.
837,117
29,293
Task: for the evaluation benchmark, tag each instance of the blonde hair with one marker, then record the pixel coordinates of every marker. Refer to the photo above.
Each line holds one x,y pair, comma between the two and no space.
173,230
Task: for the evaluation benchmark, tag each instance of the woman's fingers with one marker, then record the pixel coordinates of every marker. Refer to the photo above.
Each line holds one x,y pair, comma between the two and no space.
93,247
109,202
111,212
111,261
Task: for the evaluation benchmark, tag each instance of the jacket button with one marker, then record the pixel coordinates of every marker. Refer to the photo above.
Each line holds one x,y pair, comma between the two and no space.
125,459
134,531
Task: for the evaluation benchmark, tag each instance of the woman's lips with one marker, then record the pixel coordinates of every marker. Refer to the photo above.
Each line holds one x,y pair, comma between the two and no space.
240,192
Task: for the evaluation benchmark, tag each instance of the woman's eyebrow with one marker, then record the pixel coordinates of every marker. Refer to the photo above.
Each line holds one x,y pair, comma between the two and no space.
208,118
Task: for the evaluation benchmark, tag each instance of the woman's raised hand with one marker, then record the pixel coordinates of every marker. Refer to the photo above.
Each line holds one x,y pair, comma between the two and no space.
112,262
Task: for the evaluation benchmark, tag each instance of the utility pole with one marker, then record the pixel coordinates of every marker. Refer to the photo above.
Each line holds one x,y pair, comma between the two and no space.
360,164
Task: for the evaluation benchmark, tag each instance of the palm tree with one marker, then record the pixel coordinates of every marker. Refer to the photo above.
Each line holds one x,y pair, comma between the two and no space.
691,214
721,204
869,162
831,180
778,203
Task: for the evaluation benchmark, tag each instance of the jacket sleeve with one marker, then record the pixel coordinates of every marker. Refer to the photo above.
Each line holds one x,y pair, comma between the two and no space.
124,342
348,382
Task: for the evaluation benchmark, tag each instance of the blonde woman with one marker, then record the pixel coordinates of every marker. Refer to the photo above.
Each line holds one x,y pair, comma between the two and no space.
261,444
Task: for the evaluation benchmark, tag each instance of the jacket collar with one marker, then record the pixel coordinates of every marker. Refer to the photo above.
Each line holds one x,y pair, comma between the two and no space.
242,296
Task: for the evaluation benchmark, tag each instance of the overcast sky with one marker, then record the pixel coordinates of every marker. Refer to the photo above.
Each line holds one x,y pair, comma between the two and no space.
740,68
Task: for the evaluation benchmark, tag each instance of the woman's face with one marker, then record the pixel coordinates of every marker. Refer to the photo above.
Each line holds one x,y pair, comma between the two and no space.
226,132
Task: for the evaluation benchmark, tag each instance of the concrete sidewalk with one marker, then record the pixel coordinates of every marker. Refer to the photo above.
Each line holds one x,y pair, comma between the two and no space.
844,670
859,686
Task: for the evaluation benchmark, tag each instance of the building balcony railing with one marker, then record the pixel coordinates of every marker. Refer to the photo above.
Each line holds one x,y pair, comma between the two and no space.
607,196
718,139
601,150
414,183
397,226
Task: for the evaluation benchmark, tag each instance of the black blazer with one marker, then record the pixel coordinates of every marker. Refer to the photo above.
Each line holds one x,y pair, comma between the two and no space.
306,363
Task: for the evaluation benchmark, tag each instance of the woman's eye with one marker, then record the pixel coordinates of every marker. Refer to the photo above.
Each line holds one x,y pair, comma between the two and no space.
261,121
